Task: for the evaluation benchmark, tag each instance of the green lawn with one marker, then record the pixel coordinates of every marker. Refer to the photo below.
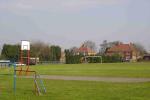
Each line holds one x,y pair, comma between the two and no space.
109,70
74,90
80,90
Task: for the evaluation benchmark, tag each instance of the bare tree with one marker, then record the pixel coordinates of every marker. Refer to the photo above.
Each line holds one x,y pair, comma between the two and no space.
41,50
140,48
90,44
74,50
107,44
37,47
103,46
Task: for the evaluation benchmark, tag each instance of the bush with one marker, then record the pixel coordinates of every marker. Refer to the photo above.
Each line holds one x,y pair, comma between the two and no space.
94,60
105,59
112,59
76,59
72,59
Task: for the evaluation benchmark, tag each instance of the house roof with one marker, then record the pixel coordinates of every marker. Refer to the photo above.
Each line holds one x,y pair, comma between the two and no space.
85,49
121,48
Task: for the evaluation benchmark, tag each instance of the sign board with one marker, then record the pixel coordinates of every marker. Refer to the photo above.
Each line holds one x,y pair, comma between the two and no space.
25,45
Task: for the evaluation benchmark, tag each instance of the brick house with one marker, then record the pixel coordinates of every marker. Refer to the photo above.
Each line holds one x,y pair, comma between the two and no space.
128,52
84,51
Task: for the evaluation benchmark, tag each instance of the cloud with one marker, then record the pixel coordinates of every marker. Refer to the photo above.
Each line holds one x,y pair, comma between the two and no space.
55,5
88,3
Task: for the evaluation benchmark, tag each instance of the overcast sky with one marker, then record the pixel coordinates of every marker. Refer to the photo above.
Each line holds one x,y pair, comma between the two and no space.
70,22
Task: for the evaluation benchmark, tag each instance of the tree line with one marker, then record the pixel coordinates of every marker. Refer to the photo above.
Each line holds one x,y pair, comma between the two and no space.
72,58
45,52
38,49
76,59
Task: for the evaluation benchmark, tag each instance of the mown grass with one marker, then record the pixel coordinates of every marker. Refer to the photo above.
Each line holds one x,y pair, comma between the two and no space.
108,70
79,90
74,90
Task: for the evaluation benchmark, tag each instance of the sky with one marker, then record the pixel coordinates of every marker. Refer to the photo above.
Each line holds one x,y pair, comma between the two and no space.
69,23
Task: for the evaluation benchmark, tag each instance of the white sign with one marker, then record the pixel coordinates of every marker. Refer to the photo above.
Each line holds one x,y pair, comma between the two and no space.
25,45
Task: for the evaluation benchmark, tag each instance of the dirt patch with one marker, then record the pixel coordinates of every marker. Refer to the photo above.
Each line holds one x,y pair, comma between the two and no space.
101,79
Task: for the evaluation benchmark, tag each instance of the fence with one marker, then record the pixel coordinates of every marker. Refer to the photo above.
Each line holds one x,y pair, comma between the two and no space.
50,62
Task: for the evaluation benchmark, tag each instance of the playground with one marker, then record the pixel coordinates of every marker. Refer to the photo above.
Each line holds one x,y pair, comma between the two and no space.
111,81
39,87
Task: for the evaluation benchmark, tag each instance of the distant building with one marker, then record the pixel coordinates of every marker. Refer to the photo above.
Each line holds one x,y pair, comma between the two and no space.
86,51
4,63
128,52
146,57
34,60
63,57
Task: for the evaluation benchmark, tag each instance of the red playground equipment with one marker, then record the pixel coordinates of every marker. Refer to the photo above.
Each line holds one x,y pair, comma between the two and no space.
25,46
25,50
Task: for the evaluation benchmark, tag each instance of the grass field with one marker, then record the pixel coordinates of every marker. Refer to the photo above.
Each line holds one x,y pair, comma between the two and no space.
80,90
110,70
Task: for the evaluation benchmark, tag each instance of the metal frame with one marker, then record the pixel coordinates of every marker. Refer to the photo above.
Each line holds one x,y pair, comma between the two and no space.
22,58
37,88
36,76
93,57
